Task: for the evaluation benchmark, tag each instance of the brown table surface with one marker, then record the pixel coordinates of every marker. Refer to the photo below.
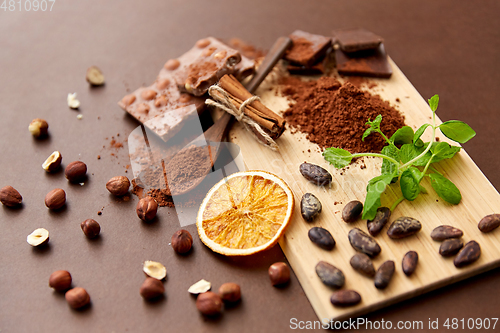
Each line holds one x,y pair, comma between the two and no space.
445,47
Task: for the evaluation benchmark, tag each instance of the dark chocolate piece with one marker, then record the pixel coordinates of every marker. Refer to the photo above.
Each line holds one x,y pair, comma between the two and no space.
373,63
357,40
202,66
319,68
307,49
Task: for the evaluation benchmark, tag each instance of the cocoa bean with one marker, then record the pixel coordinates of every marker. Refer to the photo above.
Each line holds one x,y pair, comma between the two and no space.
330,275
380,220
351,211
410,261
363,264
310,207
446,232
450,247
403,227
489,223
345,298
315,174
362,242
384,274
470,253
322,238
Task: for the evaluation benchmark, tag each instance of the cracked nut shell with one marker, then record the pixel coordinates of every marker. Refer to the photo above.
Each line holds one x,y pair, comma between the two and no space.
60,280
10,197
182,241
55,199
146,209
90,228
209,303
118,185
152,288
75,171
77,298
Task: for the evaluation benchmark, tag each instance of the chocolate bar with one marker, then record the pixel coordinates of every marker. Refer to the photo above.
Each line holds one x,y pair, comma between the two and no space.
307,49
202,66
372,63
319,68
357,40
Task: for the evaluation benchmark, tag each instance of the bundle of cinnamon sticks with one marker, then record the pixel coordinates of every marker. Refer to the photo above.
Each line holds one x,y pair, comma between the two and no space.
270,122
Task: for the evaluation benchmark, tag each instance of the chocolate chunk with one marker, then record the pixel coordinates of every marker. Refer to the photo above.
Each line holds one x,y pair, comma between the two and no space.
310,207
373,63
363,264
364,243
445,232
321,237
403,227
469,254
384,274
203,66
352,210
489,223
410,261
307,48
345,298
320,67
450,247
330,275
380,220
357,40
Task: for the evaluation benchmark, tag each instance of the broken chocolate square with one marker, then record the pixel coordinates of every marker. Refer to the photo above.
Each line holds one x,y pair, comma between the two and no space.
373,63
307,49
357,40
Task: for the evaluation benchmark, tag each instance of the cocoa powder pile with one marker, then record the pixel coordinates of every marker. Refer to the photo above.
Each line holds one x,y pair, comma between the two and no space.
335,115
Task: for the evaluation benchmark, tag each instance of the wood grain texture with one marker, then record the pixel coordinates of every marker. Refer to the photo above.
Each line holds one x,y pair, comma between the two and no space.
433,271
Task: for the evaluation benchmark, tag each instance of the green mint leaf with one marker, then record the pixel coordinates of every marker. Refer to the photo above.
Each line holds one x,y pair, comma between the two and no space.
389,168
368,131
445,189
375,124
338,157
376,186
419,143
419,133
410,183
442,151
409,152
457,130
402,136
433,102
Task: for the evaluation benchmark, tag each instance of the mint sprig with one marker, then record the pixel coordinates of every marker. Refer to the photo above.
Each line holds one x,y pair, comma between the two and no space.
410,162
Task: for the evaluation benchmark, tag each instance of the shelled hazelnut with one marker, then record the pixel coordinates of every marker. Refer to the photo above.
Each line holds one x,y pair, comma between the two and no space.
10,197
230,292
38,237
55,199
209,303
60,280
279,273
182,241
38,128
118,185
94,76
77,298
152,288
90,228
75,171
146,209
53,162
154,269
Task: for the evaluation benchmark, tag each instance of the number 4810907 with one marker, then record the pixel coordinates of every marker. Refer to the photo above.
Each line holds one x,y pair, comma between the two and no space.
27,5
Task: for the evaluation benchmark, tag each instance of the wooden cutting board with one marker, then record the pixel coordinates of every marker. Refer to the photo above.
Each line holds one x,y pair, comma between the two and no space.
479,199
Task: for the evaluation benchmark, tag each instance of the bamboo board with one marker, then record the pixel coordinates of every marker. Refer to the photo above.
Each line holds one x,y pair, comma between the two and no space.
433,271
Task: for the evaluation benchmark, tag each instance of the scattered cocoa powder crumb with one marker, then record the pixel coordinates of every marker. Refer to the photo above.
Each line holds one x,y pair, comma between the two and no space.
335,115
99,213
437,139
398,100
98,157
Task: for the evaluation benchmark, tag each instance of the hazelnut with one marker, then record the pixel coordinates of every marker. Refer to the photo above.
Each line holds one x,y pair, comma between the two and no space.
128,100
162,84
77,297
95,76
53,162
39,237
152,288
148,94
55,199
118,185
200,287
146,209
75,171
230,292
209,303
154,269
10,197
60,280
279,273
90,228
202,43
182,241
38,128
220,54
172,64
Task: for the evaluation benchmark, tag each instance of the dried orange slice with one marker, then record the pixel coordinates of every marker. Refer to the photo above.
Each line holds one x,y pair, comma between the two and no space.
245,213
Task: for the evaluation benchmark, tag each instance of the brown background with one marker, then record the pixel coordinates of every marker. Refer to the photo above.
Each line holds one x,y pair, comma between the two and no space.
445,47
